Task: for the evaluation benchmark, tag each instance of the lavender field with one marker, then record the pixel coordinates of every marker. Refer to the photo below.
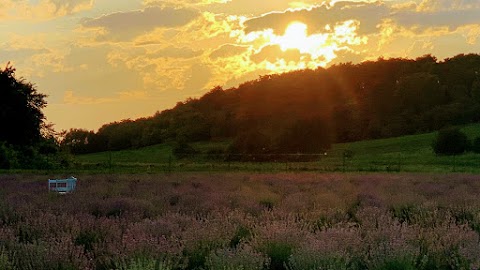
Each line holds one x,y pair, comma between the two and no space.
242,221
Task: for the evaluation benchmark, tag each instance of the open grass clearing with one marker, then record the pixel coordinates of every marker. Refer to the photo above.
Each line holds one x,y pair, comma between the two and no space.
411,153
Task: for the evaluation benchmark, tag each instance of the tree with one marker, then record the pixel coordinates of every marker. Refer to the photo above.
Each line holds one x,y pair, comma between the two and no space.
78,141
26,141
419,91
306,136
21,116
476,145
8,157
182,149
250,145
450,141
304,110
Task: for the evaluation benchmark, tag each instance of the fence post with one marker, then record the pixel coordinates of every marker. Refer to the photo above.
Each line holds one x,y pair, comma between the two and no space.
110,162
399,162
454,163
169,164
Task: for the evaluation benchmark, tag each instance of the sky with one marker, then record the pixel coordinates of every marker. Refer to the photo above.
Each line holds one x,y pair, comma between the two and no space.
101,61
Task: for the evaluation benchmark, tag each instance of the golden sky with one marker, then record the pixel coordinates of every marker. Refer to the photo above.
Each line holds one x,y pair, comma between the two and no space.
101,61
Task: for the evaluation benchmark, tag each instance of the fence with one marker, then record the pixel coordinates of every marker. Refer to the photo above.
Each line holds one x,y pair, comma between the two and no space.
324,162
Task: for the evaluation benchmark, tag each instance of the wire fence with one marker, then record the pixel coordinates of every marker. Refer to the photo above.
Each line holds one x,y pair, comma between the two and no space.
321,162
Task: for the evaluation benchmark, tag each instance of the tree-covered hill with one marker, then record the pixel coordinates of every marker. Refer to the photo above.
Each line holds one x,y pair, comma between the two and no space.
305,111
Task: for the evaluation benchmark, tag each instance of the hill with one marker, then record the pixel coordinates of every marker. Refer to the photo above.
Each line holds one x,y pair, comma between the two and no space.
411,153
306,111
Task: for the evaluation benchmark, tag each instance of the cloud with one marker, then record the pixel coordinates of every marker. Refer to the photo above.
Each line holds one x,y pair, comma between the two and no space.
423,16
430,25
255,7
446,5
471,33
296,49
452,19
167,69
15,54
65,7
380,28
206,31
4,7
32,55
175,52
183,3
227,50
273,53
70,98
197,77
410,5
126,25
319,18
171,49
346,55
15,41
42,9
85,69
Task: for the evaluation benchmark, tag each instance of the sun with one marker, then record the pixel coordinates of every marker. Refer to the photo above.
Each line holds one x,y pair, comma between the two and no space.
295,37
299,47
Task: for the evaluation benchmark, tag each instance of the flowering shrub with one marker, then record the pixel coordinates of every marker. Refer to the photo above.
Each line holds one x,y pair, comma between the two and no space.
240,258
242,221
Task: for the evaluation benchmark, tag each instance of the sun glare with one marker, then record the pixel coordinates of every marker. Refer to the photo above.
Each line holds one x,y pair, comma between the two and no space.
295,37
315,49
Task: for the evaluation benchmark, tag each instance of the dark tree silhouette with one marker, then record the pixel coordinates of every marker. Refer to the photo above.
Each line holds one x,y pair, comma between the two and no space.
81,141
476,145
21,116
304,111
450,141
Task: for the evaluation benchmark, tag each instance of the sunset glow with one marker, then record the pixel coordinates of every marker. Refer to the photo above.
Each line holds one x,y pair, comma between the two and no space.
85,54
295,37
313,50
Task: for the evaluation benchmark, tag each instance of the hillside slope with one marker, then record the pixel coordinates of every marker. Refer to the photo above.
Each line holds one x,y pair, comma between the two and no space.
305,111
406,153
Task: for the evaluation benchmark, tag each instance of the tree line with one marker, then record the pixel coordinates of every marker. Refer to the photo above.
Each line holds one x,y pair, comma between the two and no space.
305,111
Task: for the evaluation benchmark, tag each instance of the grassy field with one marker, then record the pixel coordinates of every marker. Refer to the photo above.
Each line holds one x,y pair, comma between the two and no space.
408,154
217,221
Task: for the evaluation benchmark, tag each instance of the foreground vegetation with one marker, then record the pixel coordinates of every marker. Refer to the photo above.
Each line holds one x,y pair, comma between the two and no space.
412,153
242,221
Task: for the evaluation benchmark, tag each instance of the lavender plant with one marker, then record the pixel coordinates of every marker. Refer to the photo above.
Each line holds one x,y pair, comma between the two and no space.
219,221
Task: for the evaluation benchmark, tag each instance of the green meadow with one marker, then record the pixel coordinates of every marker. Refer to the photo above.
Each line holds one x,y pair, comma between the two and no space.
411,153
